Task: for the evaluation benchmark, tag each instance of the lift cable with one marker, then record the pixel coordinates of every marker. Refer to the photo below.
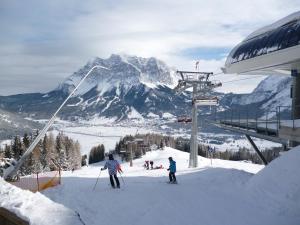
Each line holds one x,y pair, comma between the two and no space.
216,74
248,78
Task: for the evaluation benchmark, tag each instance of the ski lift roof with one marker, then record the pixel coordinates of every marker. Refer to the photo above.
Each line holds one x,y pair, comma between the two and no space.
293,17
272,49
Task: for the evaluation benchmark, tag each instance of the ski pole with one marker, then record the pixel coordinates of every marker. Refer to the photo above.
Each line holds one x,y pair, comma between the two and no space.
97,180
122,178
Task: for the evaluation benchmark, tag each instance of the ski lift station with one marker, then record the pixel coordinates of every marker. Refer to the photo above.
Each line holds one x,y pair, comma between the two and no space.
271,50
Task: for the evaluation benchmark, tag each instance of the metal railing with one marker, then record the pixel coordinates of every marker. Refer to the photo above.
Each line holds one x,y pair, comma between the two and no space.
248,119
293,119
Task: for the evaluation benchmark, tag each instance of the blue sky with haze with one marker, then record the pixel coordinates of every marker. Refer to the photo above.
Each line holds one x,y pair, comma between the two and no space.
43,42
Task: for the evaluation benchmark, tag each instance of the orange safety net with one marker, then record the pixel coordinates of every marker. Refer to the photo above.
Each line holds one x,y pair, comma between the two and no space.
38,182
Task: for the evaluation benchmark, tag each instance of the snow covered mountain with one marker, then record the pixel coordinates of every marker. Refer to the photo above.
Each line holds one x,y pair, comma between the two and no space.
123,72
272,92
130,87
135,88
275,87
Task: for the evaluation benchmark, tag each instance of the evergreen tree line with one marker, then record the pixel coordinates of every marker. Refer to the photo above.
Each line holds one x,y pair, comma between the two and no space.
97,154
48,155
243,154
141,143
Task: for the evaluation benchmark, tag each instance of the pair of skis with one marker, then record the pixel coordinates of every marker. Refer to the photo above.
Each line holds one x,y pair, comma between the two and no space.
171,182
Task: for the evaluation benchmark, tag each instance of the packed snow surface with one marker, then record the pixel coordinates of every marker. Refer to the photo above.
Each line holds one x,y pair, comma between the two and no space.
280,183
35,207
224,192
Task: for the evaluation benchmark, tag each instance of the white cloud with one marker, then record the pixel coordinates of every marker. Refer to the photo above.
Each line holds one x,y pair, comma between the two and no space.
49,40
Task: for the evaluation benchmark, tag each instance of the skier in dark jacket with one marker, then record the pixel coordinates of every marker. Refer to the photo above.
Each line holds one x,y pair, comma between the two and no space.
151,164
113,167
172,169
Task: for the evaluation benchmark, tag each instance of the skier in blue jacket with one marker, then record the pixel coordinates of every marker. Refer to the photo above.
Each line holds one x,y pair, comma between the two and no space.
172,169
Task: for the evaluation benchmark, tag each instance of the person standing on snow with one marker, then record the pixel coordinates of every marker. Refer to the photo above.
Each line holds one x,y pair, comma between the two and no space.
172,169
113,167
151,164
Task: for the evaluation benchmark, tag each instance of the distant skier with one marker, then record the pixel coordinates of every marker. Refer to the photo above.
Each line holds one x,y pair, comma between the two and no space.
151,164
172,169
113,167
147,164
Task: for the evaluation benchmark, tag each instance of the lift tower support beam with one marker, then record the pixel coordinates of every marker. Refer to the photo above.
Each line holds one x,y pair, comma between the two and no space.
256,149
202,87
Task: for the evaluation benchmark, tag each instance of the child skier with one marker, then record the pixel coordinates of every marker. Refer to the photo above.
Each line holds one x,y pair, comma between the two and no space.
172,169
113,167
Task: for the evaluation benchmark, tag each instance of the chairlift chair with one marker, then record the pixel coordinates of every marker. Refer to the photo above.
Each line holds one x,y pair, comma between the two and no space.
184,119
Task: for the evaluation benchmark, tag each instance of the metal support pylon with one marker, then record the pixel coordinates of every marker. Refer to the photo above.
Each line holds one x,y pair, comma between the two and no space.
194,136
201,87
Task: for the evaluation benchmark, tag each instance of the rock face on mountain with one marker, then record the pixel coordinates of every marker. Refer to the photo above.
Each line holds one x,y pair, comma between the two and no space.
122,72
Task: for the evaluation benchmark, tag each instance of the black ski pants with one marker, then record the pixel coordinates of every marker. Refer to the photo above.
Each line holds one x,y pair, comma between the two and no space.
112,180
172,177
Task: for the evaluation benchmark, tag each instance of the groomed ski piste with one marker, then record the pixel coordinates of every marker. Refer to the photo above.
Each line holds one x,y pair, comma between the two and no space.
226,192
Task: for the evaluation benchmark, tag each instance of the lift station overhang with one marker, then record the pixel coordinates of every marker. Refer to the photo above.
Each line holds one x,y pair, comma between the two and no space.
274,49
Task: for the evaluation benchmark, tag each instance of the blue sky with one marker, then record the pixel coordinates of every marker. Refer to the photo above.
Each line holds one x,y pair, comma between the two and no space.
43,42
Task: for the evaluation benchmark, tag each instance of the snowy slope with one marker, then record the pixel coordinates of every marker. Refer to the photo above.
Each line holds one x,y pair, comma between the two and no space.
35,208
280,183
219,194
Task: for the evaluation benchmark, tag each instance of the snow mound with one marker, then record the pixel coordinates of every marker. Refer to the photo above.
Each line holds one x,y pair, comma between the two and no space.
152,115
168,116
134,114
35,207
279,182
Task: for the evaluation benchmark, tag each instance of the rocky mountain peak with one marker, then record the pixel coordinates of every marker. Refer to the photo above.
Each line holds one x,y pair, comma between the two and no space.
122,70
